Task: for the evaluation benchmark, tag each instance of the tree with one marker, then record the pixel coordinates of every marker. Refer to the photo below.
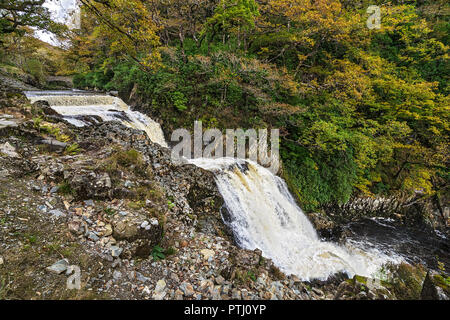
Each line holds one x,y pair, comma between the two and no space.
130,26
233,17
15,14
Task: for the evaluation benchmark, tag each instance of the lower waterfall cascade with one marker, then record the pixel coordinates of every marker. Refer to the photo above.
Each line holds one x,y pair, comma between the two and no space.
264,215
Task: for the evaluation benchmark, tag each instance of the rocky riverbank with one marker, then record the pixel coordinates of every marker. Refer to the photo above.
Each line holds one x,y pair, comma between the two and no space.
106,199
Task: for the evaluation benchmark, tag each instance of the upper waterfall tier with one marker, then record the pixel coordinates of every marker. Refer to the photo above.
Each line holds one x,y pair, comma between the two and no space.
81,109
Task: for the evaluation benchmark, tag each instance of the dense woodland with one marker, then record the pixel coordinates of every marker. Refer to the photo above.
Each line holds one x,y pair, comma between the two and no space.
361,111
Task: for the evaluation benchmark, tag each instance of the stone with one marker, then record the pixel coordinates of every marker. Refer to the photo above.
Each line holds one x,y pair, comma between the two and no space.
92,236
144,224
236,294
141,278
54,144
54,189
116,251
219,280
89,203
59,266
75,227
318,291
117,263
7,149
128,184
2,261
159,292
183,243
187,289
117,275
178,295
108,230
207,253
175,277
57,213
143,239
125,230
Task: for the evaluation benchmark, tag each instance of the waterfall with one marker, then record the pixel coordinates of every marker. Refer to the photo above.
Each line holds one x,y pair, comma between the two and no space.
80,109
264,215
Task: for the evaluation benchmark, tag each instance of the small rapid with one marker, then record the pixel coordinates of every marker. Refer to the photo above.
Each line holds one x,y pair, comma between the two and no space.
82,108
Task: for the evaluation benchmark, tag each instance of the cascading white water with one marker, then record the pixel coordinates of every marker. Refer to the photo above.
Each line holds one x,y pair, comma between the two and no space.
263,213
265,216
72,105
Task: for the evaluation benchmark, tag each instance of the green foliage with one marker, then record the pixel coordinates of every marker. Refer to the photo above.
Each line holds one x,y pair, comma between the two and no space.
36,69
72,149
65,189
179,101
233,16
407,281
158,253
360,111
17,14
110,211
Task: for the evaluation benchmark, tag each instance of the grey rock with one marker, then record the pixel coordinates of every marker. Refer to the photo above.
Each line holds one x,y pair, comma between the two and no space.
128,184
116,251
54,144
58,267
117,275
57,213
89,203
54,189
219,280
7,149
141,278
92,236
431,290
187,289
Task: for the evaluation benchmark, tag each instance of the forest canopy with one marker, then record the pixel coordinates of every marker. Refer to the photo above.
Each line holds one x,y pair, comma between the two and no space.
361,111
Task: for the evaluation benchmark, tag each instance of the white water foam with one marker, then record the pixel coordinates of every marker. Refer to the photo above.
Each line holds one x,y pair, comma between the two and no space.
265,216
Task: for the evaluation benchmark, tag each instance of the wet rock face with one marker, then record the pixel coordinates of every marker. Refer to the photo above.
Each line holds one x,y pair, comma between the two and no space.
410,210
435,287
204,199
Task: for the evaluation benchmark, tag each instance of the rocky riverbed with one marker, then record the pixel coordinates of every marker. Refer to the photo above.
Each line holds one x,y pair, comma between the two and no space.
107,200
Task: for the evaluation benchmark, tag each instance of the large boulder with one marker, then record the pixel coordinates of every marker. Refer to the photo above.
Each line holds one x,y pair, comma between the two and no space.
43,107
141,232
